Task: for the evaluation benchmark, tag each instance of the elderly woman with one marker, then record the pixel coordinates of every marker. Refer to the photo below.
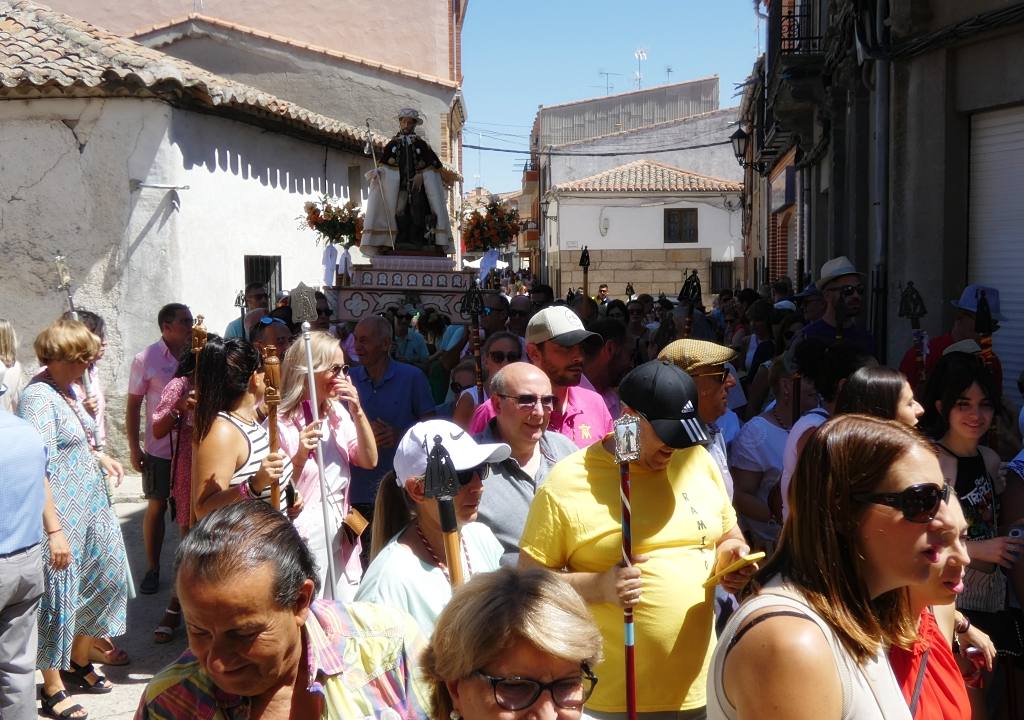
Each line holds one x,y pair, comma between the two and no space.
512,641
347,440
408,568
261,645
86,599
868,519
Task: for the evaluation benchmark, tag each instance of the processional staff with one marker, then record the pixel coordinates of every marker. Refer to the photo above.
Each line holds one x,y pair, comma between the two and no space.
473,303
272,398
984,325
585,264
912,307
627,449
441,483
691,292
199,336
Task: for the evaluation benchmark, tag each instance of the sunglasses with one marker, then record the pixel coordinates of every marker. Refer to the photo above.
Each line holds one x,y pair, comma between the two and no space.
519,693
719,375
466,476
918,503
500,357
848,290
335,370
268,320
528,402
489,310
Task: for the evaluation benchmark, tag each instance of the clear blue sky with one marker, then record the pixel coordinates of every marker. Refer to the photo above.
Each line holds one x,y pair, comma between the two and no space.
518,55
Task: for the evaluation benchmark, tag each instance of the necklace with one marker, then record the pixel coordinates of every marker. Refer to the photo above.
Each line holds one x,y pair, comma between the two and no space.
90,437
239,418
783,425
437,561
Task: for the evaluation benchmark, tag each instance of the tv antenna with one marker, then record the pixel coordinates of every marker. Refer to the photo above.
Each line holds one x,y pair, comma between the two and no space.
607,80
640,54
668,73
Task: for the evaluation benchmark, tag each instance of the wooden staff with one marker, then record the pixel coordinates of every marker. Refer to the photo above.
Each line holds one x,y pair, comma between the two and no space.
199,335
627,449
272,397
912,307
473,303
691,293
985,326
442,483
585,264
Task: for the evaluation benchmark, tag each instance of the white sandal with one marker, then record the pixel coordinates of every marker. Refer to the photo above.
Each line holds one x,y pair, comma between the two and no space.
163,634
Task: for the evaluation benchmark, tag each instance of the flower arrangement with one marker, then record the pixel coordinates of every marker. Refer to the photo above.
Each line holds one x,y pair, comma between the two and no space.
496,226
336,224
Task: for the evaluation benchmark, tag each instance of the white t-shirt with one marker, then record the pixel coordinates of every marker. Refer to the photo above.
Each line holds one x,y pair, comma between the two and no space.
759,448
399,579
815,418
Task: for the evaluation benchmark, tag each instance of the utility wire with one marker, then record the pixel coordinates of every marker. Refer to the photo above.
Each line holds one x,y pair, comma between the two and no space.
555,153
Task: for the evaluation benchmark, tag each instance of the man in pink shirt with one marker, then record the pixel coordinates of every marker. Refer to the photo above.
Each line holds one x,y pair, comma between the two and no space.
555,343
151,370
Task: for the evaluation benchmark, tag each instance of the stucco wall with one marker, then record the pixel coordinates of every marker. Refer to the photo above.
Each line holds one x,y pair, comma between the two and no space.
410,35
717,161
131,251
348,92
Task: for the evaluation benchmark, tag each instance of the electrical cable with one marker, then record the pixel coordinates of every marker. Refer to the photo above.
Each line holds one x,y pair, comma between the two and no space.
554,153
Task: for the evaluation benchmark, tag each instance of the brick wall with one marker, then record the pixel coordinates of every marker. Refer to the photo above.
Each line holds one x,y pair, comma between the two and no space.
779,227
650,271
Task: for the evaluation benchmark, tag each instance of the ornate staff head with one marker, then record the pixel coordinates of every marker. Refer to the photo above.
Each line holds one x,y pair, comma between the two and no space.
912,305
63,274
585,258
473,300
441,482
303,304
983,322
691,290
198,335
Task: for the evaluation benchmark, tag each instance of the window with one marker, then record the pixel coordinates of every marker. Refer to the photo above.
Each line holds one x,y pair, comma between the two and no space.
681,225
721,277
264,269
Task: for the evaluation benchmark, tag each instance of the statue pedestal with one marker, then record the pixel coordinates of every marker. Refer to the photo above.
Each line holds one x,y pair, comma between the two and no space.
399,280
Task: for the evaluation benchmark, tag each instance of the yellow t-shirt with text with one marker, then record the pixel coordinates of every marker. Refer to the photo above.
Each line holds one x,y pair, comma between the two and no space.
678,515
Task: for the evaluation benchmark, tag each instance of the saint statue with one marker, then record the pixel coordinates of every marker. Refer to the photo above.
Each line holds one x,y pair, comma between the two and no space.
407,208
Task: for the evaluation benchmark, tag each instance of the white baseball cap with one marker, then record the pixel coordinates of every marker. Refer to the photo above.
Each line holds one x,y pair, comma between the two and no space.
466,453
561,324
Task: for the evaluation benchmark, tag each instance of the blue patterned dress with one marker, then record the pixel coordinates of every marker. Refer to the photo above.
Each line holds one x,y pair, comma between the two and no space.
89,596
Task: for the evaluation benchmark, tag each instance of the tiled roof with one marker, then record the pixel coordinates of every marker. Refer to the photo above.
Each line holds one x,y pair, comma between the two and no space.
648,176
189,22
47,53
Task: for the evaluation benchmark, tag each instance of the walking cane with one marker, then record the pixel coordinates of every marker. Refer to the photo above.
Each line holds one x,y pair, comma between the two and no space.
442,483
912,307
473,303
627,449
65,284
272,397
303,304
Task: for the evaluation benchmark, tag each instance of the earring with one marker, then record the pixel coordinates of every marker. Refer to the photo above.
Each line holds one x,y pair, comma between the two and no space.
454,715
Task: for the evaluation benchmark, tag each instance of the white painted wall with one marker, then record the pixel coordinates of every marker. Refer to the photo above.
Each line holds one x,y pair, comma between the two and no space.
65,172
637,223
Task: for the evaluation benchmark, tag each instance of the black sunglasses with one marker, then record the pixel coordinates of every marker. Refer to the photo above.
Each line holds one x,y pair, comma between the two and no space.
848,290
499,357
528,402
519,693
719,375
466,476
918,503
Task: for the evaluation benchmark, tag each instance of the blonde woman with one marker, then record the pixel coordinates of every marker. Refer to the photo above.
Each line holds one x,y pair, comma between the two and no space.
512,643
348,439
11,373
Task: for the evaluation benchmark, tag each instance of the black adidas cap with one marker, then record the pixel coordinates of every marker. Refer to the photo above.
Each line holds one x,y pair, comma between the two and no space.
666,397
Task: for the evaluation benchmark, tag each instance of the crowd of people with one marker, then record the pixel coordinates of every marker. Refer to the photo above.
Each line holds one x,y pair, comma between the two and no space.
890,512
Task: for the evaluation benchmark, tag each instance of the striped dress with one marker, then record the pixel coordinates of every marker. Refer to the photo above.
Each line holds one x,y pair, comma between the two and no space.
258,440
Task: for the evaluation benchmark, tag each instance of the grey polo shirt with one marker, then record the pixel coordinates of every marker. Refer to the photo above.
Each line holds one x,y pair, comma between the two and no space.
508,490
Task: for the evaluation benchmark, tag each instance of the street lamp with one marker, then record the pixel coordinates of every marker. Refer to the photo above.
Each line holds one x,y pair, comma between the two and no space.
740,144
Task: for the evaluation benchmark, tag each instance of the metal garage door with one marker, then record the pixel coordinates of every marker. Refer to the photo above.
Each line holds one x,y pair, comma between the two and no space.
996,230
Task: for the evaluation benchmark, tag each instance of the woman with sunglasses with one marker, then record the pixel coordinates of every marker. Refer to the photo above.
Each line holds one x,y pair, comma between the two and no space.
512,643
407,561
498,350
231,459
347,440
810,641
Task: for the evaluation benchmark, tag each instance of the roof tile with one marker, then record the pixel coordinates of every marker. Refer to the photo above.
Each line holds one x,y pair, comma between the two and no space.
648,176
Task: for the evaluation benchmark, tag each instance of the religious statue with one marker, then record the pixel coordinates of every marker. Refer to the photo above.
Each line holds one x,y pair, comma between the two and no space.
407,207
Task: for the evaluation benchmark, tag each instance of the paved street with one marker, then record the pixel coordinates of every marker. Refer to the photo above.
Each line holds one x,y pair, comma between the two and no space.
144,613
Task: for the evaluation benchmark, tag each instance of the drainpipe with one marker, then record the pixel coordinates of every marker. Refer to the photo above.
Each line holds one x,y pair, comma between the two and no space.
880,247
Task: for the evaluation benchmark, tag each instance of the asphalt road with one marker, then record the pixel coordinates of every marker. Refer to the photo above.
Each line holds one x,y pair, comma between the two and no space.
144,612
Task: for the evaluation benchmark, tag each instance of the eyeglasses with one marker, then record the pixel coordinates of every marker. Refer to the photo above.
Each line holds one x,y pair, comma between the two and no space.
335,370
848,290
719,375
528,402
518,693
500,357
918,503
466,476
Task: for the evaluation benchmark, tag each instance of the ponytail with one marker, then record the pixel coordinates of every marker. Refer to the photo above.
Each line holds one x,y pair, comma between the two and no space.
391,513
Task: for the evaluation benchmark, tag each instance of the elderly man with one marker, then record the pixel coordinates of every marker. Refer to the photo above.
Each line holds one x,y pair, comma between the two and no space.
151,370
523,401
271,330
842,286
556,342
683,530
256,297
260,645
394,396
706,362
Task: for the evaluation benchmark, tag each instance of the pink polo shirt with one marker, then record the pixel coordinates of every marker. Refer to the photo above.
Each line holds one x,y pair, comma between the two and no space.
151,370
585,420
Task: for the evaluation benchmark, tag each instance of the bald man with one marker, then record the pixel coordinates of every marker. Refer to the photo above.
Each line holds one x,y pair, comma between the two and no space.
523,400
395,396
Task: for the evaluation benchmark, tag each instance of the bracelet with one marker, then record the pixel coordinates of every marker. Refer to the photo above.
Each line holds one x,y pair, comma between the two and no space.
54,532
964,625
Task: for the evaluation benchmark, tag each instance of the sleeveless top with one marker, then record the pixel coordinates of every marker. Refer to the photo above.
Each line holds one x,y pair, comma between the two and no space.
870,691
258,440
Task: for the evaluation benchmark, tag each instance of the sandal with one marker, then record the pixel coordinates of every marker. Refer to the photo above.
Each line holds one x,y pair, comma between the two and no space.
164,632
78,676
111,655
50,703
